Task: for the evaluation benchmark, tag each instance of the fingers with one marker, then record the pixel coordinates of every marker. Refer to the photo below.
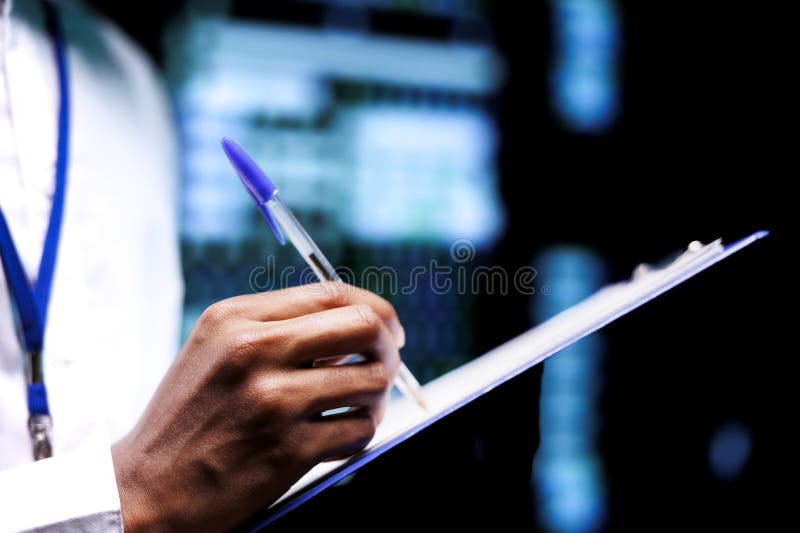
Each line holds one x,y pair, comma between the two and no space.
329,333
293,302
361,385
338,436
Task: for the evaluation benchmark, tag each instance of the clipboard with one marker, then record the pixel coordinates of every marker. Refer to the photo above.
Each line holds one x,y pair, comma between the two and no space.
446,394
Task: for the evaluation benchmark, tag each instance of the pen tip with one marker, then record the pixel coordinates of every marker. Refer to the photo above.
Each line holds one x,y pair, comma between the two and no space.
417,395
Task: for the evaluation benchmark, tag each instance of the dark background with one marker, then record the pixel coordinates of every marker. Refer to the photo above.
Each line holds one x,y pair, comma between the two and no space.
699,151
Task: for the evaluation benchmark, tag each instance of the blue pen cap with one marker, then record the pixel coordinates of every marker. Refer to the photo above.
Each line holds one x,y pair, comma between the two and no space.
255,181
251,175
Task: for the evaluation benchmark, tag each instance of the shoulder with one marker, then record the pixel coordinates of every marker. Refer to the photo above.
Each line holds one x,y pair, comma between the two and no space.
101,42
119,87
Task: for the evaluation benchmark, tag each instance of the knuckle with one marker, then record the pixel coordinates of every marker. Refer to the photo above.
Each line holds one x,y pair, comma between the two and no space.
274,401
217,313
378,378
267,343
243,343
240,351
261,344
273,338
334,294
294,398
369,320
273,398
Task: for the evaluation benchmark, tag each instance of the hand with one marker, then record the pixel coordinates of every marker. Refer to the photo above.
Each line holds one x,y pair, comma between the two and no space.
236,420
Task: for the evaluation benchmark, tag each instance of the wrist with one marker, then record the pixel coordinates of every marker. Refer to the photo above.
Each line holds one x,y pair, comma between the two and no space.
138,513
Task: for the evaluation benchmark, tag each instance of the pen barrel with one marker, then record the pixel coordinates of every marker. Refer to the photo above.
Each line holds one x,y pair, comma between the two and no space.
301,240
305,245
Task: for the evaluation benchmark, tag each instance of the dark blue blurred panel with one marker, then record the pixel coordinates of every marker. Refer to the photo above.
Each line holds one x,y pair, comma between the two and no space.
584,82
568,473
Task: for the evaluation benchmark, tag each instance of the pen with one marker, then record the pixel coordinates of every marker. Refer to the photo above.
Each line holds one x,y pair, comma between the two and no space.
281,220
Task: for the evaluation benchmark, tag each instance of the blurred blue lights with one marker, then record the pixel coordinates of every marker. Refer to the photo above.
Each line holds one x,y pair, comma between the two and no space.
584,78
729,450
423,174
383,146
567,471
408,156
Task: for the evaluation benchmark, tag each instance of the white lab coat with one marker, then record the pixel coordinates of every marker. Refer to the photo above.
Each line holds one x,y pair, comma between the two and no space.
115,307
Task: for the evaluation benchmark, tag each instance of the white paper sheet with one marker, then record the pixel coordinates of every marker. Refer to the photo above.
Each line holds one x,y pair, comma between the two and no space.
404,418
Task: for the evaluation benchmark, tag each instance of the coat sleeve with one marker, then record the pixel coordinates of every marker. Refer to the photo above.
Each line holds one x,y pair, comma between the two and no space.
74,491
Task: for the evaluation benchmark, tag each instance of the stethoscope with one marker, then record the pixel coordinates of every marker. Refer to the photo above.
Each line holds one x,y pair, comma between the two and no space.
31,300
